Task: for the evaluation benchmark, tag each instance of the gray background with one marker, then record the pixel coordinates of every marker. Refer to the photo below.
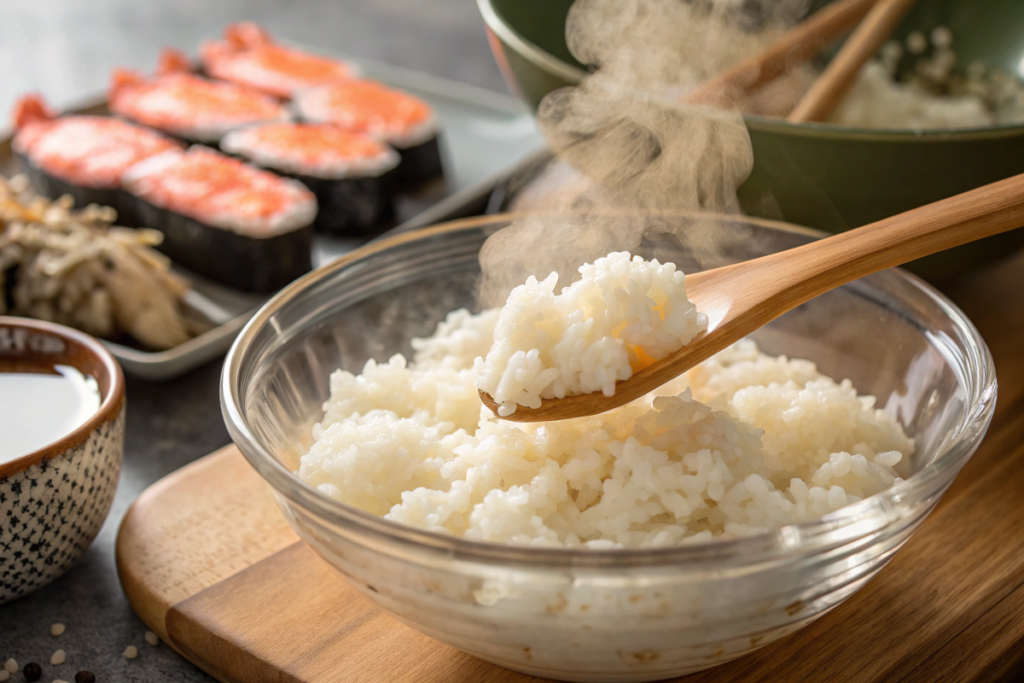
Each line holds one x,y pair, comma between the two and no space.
65,49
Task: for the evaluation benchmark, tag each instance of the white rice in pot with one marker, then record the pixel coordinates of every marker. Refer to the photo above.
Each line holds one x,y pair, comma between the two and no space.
742,443
933,93
877,101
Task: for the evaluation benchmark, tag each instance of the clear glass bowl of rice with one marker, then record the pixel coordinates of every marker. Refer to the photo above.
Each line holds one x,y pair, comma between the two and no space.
606,615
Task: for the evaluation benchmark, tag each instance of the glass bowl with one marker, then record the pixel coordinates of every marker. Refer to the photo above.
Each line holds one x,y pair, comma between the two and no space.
616,615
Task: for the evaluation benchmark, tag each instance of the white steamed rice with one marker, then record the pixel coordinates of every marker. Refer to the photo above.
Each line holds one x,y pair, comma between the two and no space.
877,101
621,314
742,443
933,94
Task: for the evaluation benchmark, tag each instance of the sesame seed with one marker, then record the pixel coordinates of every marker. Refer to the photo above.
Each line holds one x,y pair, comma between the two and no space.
56,629
131,652
5,675
57,680
58,657
10,666
152,638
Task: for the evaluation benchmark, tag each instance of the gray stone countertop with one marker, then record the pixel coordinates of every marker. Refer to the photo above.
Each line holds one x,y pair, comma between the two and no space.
65,49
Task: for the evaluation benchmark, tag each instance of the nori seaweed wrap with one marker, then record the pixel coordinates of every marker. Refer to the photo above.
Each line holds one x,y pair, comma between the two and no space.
82,156
350,173
224,219
405,122
420,163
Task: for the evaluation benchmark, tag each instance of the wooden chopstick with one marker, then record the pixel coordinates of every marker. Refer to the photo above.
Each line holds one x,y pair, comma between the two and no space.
797,45
840,73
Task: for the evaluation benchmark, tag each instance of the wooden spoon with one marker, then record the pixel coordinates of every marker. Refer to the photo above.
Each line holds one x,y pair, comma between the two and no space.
797,45
840,73
740,298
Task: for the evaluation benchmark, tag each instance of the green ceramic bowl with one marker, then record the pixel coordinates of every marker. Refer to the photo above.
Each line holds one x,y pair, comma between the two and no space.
820,175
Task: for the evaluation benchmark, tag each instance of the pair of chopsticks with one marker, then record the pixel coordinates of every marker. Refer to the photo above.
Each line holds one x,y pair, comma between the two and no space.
874,20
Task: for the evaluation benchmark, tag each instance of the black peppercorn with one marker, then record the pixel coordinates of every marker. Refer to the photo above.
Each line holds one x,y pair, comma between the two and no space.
85,677
33,672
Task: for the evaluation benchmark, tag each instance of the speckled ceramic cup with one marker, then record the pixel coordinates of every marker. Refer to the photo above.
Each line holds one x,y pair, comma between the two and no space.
53,500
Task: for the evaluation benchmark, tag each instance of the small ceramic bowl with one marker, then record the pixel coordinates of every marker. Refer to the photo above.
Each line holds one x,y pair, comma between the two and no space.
53,501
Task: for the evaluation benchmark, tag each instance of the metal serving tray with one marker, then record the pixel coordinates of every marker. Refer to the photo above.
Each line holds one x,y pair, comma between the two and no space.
484,136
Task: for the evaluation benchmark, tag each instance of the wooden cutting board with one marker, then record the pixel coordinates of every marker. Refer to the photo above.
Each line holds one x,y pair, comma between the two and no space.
209,563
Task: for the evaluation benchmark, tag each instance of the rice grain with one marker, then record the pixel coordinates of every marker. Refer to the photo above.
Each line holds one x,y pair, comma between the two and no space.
742,443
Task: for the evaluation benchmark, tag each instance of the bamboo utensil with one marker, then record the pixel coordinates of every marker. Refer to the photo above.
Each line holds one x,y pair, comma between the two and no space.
797,45
740,298
841,71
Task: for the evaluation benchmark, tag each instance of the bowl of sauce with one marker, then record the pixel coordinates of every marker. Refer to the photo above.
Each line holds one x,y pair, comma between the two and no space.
62,405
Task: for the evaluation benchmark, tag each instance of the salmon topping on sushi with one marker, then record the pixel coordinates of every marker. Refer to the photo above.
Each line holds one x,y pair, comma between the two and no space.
173,61
88,151
248,55
223,192
318,151
31,109
189,106
395,117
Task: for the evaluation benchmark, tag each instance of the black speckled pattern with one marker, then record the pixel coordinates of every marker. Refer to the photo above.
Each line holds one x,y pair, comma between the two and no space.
51,512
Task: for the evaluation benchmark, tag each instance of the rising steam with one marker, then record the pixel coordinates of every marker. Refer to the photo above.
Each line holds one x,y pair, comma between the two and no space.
624,142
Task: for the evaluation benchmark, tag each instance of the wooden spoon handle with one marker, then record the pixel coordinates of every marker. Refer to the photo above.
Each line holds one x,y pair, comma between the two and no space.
800,274
742,297
835,81
797,45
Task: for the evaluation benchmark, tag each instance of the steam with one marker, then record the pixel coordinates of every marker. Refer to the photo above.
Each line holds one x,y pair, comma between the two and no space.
543,244
648,153
672,44
624,143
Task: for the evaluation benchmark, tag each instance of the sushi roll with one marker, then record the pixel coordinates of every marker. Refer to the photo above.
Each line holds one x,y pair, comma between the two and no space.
249,56
224,219
81,156
399,119
188,106
347,171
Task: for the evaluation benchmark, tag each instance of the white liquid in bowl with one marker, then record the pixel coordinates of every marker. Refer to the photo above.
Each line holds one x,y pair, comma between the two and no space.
37,409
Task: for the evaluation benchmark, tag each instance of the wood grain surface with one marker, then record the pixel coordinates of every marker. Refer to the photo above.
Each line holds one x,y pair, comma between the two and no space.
217,573
209,563
194,528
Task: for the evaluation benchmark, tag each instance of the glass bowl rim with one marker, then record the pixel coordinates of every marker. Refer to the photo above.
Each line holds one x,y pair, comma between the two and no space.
790,540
